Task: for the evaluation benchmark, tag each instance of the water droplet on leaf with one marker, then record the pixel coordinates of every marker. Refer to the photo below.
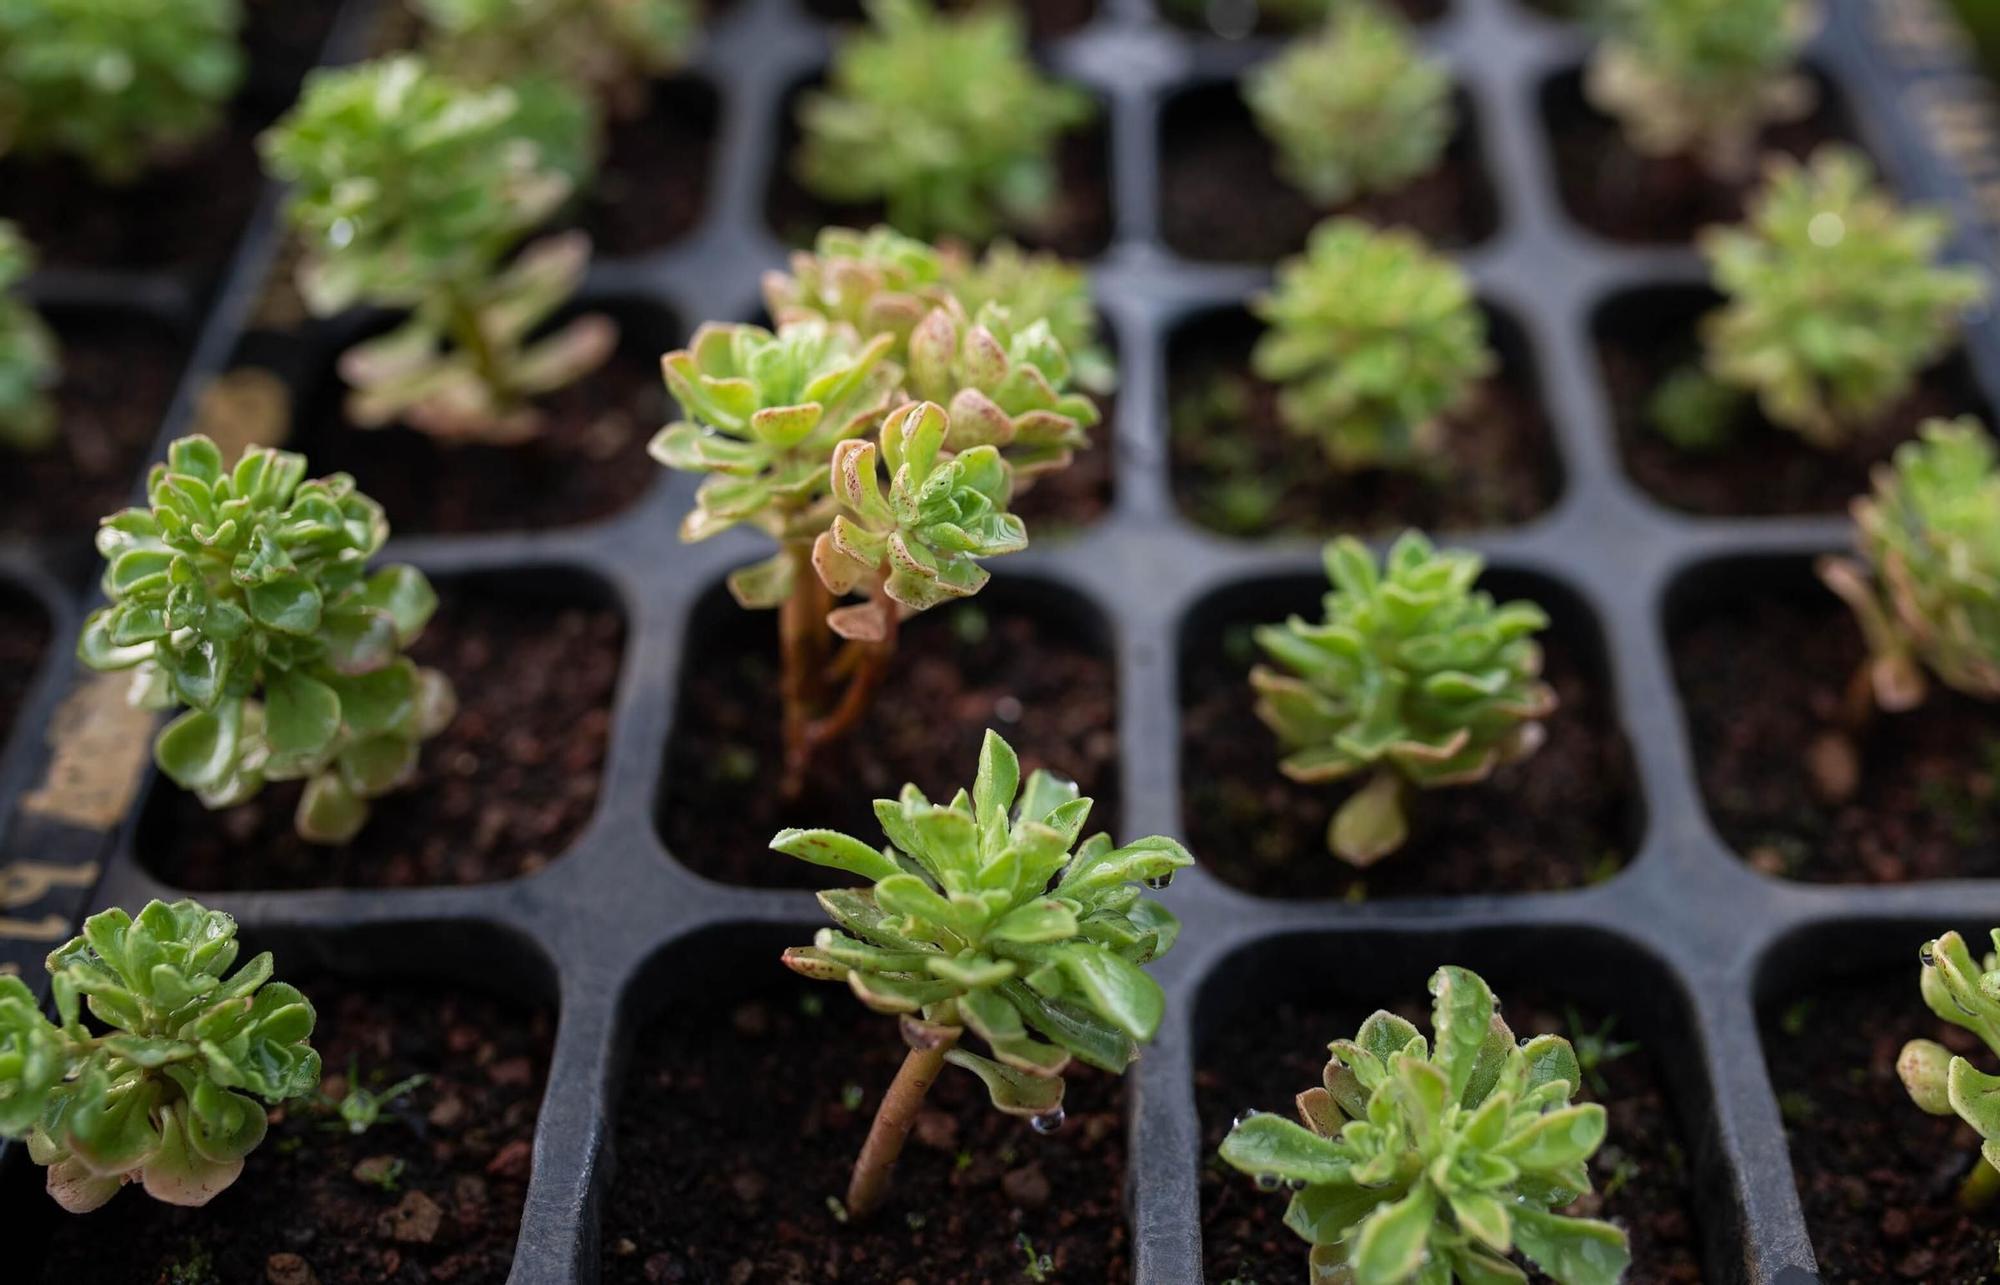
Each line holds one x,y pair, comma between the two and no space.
1048,1121
1267,1182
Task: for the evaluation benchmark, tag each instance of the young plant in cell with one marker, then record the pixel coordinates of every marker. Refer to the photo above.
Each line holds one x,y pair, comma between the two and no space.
1960,988
1038,286
986,915
30,362
1357,109
413,191
1371,339
877,282
607,49
121,85
244,597
942,118
1702,78
1433,1161
1926,585
1413,677
1835,300
167,1096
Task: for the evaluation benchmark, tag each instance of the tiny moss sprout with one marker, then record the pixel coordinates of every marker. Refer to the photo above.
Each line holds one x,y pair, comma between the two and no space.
30,362
167,1096
985,915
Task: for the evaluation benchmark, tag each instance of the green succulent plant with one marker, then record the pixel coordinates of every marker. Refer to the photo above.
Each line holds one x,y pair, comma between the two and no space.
119,84
167,1097
1835,301
1038,286
1006,381
874,283
1413,676
244,595
1371,339
412,191
1433,1161
30,361
605,48
1926,588
942,118
985,914
1702,77
1960,989
1357,109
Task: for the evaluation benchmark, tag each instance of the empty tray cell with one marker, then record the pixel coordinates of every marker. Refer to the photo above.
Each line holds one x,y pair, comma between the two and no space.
746,1099
1566,816
1645,336
1878,1177
588,464
501,792
1239,469
1026,658
1222,197
24,638
652,188
1765,656
1265,1017
1237,18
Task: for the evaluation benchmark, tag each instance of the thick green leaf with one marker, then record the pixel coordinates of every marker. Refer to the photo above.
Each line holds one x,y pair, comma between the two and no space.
1273,1145
1573,1251
832,848
1393,1240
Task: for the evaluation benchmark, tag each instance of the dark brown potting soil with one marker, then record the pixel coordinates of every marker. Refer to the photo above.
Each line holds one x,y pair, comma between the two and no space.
464,1140
1031,675
24,635
1238,469
1877,1177
740,1122
652,187
1562,818
118,376
1222,197
282,39
1763,665
501,792
1641,1172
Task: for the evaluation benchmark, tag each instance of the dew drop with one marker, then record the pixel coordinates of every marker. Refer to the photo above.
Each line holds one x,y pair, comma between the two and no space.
1296,1184
1159,882
1267,1182
1048,1121
1249,1113
1928,953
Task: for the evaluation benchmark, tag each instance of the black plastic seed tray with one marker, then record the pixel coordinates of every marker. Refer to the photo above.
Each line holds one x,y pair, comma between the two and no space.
1686,944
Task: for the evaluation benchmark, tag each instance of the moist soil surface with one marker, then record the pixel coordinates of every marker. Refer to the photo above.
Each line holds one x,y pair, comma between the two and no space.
1617,193
1877,1177
1641,1175
1761,469
1561,818
1222,197
24,635
501,792
118,376
653,185
589,463
740,1121
1238,469
282,39
1763,669
958,671
1236,18
465,1139
1047,19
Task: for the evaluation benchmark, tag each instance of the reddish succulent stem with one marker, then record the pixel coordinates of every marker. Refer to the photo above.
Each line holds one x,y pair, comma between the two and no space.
802,647
869,664
872,1169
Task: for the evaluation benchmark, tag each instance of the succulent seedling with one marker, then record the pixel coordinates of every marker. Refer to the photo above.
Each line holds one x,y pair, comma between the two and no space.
986,915
245,596
1429,1161
1356,109
30,362
1038,286
1702,78
1372,339
608,49
360,1109
1960,989
940,117
478,170
1413,676
1926,586
167,1095
1835,301
121,85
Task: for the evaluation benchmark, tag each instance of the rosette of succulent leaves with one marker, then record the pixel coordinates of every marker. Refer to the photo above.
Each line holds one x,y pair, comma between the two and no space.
1835,303
1412,676
942,118
1433,1161
1925,588
1960,988
30,361
122,85
878,436
1356,109
1371,339
477,170
986,915
244,595
607,49
167,1095
1702,78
